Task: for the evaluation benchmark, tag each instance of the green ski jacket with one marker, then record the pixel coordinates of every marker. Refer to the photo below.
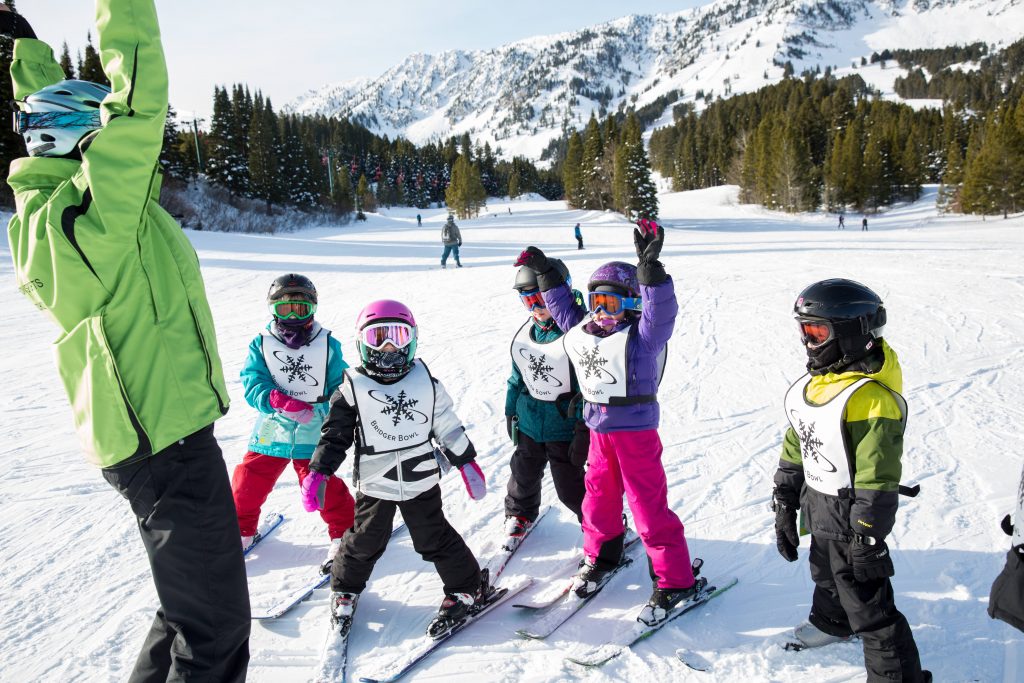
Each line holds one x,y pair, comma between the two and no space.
137,352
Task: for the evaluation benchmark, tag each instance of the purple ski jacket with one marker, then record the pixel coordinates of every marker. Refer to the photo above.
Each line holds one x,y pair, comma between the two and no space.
653,331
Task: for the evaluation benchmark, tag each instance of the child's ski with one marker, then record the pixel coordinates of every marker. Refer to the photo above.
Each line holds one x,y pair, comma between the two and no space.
509,546
270,521
419,652
334,657
291,600
546,600
637,631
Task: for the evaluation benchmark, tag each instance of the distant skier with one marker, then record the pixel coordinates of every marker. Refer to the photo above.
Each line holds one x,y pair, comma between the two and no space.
292,368
390,409
842,222
1006,601
94,250
617,350
841,464
419,221
864,223
537,414
579,237
451,238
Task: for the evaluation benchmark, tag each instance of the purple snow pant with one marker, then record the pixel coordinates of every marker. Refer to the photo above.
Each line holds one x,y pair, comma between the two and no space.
630,463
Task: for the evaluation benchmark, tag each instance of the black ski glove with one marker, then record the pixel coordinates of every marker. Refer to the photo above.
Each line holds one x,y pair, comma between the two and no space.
649,271
579,447
1007,525
15,26
870,562
468,456
534,259
787,538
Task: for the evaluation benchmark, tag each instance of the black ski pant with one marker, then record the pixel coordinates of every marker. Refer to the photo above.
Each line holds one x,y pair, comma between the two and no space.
843,606
182,500
432,537
528,464
579,243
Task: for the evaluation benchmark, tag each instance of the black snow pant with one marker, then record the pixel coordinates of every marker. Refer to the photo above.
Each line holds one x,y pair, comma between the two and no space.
528,464
182,500
579,243
432,537
843,606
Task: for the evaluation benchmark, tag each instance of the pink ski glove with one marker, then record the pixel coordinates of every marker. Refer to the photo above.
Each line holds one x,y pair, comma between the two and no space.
473,478
313,490
292,408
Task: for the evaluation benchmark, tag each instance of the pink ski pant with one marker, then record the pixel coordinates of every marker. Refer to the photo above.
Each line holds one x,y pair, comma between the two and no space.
630,463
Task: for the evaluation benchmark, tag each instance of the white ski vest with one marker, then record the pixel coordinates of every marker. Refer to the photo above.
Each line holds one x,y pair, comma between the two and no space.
823,448
600,363
301,373
545,366
394,417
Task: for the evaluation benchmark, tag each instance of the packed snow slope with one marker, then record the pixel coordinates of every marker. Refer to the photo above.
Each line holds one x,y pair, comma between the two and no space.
78,597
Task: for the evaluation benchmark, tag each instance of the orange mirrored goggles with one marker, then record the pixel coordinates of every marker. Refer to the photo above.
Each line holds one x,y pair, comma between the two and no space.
532,299
815,333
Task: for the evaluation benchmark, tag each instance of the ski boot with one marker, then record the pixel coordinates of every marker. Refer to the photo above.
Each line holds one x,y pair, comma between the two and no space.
807,636
516,529
591,577
247,542
343,606
332,552
664,600
457,607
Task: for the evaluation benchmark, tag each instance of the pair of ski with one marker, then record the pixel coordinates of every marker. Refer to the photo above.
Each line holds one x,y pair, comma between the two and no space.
562,606
334,658
789,643
316,580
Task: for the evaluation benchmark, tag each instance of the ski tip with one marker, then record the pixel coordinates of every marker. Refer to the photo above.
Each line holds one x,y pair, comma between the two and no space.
526,634
693,660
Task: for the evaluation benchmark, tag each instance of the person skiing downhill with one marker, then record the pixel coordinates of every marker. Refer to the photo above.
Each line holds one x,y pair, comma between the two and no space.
390,408
451,238
537,415
617,350
138,354
841,465
292,368
578,234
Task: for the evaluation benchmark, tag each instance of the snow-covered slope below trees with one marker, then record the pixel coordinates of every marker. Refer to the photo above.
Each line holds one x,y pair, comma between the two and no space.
519,96
77,595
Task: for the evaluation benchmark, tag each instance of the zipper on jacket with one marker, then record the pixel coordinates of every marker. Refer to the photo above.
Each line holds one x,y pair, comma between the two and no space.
67,224
209,363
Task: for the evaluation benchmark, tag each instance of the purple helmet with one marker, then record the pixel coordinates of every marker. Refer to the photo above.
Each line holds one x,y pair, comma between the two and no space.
380,363
617,274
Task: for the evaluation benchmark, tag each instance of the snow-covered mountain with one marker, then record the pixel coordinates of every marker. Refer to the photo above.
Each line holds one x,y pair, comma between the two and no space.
521,95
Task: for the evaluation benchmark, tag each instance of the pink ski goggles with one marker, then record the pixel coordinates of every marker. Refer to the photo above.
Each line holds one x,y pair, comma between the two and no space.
399,334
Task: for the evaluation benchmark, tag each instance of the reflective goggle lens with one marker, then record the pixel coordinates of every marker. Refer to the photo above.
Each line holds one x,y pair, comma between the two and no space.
532,299
399,334
815,333
26,121
612,303
292,309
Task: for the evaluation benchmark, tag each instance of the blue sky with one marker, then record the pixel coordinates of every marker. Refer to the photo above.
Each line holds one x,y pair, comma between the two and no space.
287,48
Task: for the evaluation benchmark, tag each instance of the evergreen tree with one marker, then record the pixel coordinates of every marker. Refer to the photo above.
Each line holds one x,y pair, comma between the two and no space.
590,168
90,68
464,195
65,62
513,185
571,176
636,195
264,154
364,196
12,146
949,191
225,165
994,181
173,160
343,197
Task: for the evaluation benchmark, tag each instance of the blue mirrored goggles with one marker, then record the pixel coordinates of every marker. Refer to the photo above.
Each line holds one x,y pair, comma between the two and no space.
613,303
25,121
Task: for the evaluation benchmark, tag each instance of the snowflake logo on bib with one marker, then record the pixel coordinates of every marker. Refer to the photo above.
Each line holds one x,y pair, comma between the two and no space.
810,446
591,362
295,368
399,408
539,367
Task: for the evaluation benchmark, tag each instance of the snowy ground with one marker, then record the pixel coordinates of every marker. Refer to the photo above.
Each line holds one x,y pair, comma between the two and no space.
77,592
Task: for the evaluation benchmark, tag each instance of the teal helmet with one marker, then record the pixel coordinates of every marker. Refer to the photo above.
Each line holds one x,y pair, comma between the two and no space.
54,120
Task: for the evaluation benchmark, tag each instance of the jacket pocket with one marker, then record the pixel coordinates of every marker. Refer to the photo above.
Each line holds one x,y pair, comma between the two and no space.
98,401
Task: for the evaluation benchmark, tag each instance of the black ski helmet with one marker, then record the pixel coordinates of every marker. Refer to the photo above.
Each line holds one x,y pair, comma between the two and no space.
526,279
291,283
855,317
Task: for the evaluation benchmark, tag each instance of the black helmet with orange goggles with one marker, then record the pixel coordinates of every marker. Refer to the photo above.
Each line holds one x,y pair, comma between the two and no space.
838,309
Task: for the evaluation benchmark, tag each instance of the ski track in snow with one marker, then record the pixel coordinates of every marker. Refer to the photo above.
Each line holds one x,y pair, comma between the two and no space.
79,598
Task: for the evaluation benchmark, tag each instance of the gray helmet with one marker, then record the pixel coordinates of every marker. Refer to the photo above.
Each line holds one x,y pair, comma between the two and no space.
55,119
526,279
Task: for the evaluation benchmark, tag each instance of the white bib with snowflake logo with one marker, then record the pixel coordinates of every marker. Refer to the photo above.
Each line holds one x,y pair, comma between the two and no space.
544,365
822,437
301,373
395,416
600,363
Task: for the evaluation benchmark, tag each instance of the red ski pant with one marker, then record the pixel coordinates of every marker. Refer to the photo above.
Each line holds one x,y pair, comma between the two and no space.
255,477
630,463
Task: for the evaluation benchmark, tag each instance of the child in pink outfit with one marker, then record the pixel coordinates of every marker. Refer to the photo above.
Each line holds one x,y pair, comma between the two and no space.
617,349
